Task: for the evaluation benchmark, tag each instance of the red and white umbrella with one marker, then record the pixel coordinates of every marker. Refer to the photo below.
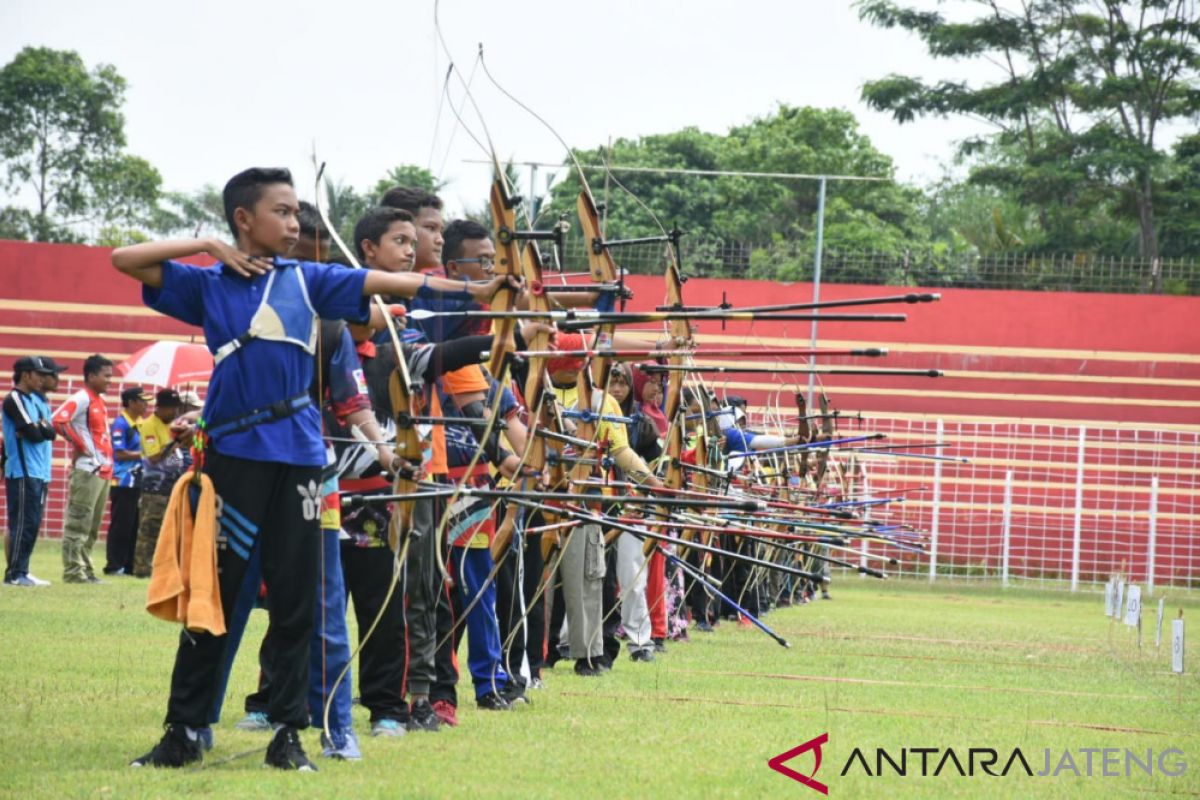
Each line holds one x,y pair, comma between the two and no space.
168,364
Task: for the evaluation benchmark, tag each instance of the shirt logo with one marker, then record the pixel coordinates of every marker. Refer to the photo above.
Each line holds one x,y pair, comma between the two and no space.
310,500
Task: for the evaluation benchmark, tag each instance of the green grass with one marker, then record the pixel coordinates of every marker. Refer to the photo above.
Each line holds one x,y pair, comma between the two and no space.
84,677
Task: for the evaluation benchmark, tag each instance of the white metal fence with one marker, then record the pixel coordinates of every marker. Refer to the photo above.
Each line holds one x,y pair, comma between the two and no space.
1060,506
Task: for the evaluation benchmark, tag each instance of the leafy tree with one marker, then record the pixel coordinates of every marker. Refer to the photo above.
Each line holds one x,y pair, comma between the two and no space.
1084,91
192,213
407,175
1179,233
875,215
62,139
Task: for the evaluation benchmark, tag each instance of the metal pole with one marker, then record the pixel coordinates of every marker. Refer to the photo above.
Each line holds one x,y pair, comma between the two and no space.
1075,541
1150,546
1006,528
816,296
935,523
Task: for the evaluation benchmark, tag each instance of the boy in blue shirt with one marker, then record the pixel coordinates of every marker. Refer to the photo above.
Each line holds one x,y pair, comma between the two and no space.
265,453
127,483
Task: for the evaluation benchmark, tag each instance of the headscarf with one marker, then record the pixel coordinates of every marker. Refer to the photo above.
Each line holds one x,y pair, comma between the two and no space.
566,341
649,410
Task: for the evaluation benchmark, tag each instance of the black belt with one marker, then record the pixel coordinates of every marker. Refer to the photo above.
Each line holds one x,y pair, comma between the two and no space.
276,411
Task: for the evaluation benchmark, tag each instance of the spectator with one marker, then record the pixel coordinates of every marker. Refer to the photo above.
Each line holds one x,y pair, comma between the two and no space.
83,421
28,437
127,483
165,457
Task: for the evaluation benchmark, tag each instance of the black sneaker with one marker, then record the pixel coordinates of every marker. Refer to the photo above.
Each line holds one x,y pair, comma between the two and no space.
422,717
660,645
514,695
175,749
642,655
587,668
285,751
492,702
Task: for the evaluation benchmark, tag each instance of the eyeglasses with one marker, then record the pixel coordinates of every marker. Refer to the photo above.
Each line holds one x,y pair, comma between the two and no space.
487,262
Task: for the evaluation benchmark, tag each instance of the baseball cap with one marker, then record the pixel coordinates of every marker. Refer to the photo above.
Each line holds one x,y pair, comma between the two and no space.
131,394
190,398
168,398
41,364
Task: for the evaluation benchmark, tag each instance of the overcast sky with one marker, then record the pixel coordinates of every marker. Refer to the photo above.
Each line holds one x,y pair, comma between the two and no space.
217,86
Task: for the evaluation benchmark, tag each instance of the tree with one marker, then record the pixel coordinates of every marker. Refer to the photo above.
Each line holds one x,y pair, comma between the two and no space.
1180,200
1085,89
192,213
407,175
874,215
62,139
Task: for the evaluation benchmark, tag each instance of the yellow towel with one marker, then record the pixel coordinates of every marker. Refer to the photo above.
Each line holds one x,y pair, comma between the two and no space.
184,586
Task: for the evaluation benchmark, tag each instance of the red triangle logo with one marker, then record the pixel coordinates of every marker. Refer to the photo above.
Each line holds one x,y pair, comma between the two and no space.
777,763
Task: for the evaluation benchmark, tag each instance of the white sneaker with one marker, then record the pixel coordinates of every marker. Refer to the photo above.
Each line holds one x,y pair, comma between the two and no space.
36,580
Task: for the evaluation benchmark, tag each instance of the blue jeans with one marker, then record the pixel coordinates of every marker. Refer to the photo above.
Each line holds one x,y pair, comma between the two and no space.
26,501
472,565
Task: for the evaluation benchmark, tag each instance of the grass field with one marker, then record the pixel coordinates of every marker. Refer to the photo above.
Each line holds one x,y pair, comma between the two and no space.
85,673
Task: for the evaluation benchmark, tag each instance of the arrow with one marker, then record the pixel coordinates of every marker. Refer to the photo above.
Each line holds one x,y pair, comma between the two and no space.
867,301
910,373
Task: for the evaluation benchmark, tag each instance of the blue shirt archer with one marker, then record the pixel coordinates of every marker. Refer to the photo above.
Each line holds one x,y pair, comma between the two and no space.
263,371
125,436
737,440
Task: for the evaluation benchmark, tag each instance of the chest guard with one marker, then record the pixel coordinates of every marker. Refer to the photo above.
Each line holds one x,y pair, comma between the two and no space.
284,315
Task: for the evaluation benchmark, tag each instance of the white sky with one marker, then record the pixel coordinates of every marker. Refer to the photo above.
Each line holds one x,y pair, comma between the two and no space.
217,86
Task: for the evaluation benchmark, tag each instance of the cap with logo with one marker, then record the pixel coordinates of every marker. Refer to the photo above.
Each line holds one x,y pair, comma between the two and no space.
43,365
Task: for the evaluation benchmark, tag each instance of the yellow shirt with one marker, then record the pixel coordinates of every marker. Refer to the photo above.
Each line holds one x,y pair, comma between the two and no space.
156,435
613,432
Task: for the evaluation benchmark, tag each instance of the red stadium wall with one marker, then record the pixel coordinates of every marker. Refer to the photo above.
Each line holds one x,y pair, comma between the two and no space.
1118,365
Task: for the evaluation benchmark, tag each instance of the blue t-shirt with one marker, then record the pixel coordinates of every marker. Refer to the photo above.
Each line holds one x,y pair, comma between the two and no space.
25,459
126,474
263,371
737,440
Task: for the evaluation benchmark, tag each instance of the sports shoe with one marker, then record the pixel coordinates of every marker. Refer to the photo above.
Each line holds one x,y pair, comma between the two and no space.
23,580
446,712
492,702
36,580
536,683
514,695
586,668
343,746
642,655
825,596
93,579
254,721
175,749
422,717
660,646
704,627
205,735
285,751
387,728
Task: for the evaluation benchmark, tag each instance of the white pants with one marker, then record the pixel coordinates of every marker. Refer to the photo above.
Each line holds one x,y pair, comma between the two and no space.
635,614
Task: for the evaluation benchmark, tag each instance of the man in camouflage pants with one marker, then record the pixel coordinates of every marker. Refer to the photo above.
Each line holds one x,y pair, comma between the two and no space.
165,457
